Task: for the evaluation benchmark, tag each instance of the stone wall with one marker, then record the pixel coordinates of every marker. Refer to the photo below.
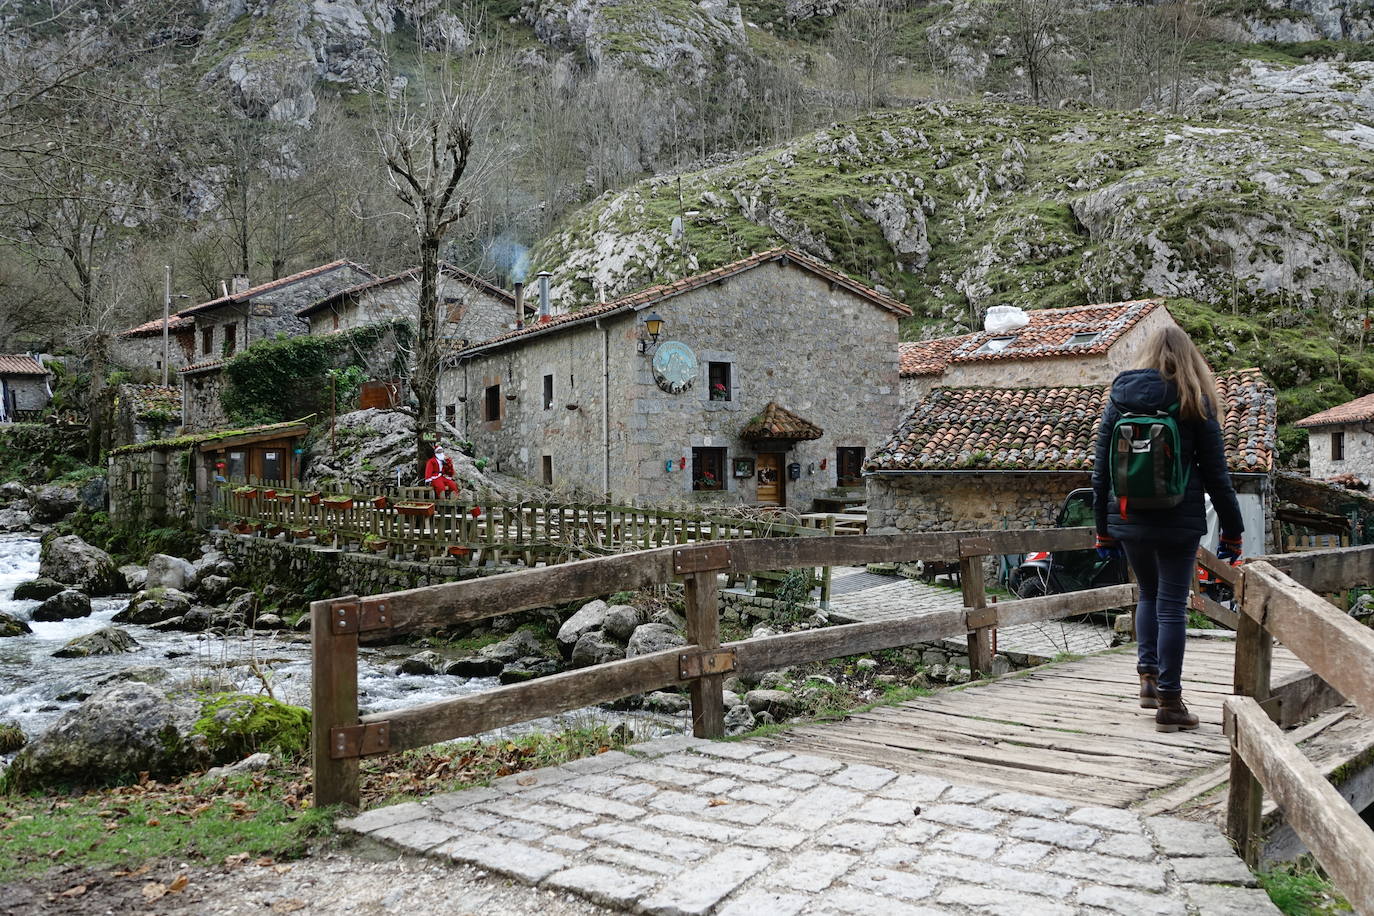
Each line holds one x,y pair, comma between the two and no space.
153,488
824,353
479,316
953,502
23,392
200,397
146,352
1359,452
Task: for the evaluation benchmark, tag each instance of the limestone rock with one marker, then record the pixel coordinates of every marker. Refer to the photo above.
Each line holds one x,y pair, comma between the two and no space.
71,560
669,617
37,589
662,701
594,648
94,493
620,621
241,611
518,645
527,669
106,641
166,571
653,637
135,576
474,666
212,589
13,626
903,223
779,703
14,519
14,493
65,605
53,503
154,605
426,662
738,720
250,764
269,622
591,616
111,738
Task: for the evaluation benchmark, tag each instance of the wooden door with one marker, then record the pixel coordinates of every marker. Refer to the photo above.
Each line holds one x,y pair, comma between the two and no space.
769,471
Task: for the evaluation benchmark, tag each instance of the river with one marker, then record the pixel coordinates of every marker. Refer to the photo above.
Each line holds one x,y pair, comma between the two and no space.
36,688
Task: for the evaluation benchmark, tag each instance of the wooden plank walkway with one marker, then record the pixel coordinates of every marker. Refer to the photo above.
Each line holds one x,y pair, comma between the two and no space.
1072,730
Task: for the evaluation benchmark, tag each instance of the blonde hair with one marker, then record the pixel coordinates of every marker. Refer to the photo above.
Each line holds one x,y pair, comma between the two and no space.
1177,358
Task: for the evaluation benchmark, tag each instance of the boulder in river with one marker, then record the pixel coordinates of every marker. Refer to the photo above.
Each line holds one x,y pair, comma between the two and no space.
212,589
53,503
65,605
14,493
269,622
653,637
590,617
14,519
13,626
106,641
135,576
426,662
37,589
166,571
474,666
594,648
112,737
154,605
514,647
71,560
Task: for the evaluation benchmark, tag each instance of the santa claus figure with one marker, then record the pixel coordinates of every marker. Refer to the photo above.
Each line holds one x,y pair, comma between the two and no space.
439,473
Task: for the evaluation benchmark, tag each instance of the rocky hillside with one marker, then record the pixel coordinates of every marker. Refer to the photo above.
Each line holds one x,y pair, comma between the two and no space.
1256,215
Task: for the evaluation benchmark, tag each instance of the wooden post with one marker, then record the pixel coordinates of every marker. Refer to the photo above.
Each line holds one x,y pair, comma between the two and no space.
703,629
975,598
826,570
1254,651
333,701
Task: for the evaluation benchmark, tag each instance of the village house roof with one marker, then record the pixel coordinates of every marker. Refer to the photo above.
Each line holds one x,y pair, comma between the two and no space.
177,322
654,294
467,277
203,366
20,364
1052,333
1054,429
273,286
1359,410
212,440
775,422
152,399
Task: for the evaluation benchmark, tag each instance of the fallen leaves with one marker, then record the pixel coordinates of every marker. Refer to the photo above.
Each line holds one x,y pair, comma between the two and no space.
156,890
74,891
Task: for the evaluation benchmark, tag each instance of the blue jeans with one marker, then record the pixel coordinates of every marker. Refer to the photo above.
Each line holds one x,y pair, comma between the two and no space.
1164,572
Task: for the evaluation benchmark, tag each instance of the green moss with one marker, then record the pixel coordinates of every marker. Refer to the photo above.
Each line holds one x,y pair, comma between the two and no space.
11,738
236,725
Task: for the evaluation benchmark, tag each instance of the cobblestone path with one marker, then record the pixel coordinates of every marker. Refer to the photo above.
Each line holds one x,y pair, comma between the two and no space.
682,826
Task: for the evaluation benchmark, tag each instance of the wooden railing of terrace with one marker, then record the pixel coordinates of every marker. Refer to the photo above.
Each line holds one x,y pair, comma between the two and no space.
341,736
1278,600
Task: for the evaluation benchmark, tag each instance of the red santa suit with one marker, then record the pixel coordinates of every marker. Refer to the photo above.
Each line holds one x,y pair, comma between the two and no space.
439,474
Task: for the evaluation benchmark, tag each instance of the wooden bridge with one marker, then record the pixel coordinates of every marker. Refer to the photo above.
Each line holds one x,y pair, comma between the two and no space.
1070,731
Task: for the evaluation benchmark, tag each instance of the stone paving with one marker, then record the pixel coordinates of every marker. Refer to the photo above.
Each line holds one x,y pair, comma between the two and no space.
858,595
680,826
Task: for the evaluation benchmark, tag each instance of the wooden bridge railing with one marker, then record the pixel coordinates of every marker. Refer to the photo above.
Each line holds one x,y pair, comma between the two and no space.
1277,599
341,736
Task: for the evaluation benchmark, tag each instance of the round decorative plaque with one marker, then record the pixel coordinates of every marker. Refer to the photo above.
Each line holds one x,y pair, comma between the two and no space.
675,366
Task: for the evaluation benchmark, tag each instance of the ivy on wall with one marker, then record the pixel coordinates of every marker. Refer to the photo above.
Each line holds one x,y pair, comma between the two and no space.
276,380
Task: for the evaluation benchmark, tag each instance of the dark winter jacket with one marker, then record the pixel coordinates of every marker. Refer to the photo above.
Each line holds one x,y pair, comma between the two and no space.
1145,390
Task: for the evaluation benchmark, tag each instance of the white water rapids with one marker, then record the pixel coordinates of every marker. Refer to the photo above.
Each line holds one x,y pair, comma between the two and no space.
36,688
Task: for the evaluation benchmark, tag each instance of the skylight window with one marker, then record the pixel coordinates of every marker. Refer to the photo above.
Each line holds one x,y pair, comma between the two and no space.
996,345
1083,340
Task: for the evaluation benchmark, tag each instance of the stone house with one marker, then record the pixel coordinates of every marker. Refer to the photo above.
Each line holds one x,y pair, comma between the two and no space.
1082,345
24,389
165,482
140,348
765,381
994,457
245,314
1340,441
142,413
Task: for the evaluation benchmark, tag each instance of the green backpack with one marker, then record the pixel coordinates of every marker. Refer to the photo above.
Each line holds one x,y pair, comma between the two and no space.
1147,461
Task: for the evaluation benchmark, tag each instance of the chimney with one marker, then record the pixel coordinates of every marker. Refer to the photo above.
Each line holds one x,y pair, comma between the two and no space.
519,305
544,311
239,284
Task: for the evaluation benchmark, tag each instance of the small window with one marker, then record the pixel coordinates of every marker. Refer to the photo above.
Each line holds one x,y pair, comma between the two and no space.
996,345
1083,340
1338,446
548,470
491,403
548,392
207,340
849,467
451,414
718,381
231,343
236,466
708,469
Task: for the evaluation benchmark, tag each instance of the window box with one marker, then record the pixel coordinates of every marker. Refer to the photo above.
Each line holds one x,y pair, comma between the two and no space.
269,494
286,497
418,510
380,502
312,498
246,492
376,545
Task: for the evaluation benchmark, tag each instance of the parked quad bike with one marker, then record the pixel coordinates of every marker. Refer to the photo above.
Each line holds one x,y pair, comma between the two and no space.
1044,573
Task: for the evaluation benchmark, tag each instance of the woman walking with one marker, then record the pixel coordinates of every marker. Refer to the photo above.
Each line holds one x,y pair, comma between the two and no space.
1159,447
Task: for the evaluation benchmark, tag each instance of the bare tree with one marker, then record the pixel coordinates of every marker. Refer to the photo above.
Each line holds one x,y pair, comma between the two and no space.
863,41
1033,27
431,138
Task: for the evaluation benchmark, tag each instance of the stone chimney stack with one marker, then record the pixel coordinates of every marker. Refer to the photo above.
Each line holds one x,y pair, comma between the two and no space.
519,304
545,310
239,284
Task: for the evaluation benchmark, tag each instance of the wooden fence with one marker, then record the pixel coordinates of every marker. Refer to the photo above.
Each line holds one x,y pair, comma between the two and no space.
1278,598
341,736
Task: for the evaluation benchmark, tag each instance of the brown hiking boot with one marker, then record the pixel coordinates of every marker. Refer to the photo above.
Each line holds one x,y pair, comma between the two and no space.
1172,715
1149,691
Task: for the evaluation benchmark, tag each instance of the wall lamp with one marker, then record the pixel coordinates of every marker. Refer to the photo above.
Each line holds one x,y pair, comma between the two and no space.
653,327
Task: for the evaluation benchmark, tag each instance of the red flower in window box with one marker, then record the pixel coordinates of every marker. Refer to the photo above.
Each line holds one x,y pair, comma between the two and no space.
313,498
719,392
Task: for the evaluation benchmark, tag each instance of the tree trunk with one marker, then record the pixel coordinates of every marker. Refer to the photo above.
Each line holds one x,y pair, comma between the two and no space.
425,377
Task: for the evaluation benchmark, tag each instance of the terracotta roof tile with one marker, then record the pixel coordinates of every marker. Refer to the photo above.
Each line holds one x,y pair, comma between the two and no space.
271,285
1049,335
1356,411
145,399
20,364
775,422
457,273
177,323
663,291
203,366
1053,429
